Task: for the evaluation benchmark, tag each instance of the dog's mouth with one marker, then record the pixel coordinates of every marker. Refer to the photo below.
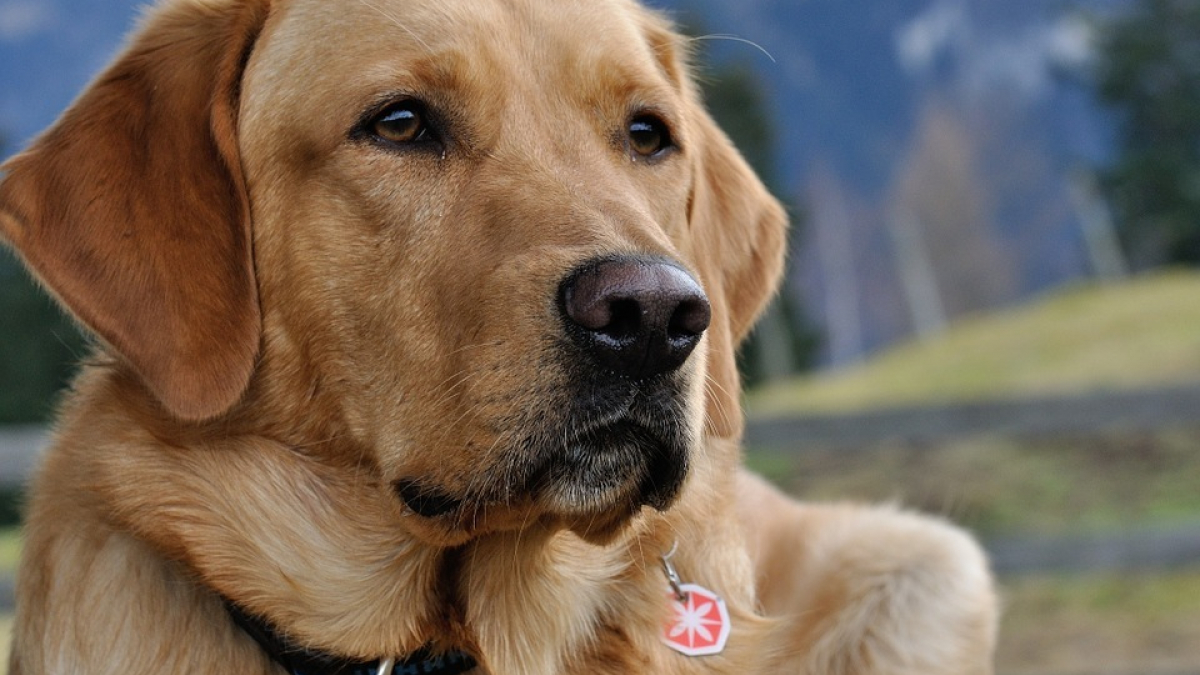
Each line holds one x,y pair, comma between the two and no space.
424,499
592,480
623,464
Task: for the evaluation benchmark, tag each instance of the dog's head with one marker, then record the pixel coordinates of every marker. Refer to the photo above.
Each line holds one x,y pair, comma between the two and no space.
495,250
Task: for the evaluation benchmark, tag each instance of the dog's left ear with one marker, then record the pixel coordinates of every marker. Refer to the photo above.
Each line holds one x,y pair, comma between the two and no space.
132,208
738,233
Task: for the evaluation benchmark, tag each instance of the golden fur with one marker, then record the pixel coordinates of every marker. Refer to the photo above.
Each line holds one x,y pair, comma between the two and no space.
292,318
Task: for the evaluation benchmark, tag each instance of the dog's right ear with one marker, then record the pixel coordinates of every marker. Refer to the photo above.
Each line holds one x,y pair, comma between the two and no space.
133,211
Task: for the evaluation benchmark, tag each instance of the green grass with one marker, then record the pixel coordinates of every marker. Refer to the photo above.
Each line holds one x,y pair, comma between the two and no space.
6,626
1101,623
10,550
1144,332
1001,486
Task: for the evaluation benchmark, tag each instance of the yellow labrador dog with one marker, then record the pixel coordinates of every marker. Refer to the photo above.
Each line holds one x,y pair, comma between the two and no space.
416,326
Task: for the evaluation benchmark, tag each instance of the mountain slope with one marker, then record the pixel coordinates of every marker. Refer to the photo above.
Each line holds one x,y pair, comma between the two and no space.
1138,334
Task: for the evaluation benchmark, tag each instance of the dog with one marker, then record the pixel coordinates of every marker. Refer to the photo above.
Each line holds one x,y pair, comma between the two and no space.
415,328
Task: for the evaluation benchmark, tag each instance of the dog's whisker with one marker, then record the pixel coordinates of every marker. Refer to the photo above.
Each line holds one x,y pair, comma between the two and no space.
710,380
483,481
470,414
734,38
477,345
637,560
712,386
707,416
516,552
448,389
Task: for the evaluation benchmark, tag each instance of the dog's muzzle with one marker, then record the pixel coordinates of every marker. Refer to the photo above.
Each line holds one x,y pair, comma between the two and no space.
616,434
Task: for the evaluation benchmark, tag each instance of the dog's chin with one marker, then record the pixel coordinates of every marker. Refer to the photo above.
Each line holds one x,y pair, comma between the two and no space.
594,486
612,471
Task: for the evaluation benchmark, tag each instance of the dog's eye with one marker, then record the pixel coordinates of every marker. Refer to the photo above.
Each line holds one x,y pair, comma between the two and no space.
648,136
402,122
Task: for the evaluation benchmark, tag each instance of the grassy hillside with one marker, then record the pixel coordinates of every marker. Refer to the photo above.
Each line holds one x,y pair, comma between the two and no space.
1140,333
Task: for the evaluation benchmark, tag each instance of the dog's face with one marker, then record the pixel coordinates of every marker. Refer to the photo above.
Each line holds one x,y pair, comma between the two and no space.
499,244
434,199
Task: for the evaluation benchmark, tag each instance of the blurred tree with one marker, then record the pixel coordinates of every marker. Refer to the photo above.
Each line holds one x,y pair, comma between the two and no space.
1148,69
39,346
952,258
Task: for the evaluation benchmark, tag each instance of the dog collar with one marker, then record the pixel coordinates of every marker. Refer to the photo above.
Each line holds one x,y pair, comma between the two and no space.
300,661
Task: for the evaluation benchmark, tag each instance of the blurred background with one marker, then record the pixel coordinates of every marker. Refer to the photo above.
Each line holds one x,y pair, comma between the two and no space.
992,306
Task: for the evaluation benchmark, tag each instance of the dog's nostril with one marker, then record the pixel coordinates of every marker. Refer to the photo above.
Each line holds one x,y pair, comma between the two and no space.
636,316
626,319
690,319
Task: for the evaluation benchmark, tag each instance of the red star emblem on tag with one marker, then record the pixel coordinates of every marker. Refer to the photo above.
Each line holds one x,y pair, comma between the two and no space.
699,624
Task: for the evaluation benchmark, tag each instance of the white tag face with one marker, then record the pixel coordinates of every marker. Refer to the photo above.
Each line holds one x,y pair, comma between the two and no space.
699,626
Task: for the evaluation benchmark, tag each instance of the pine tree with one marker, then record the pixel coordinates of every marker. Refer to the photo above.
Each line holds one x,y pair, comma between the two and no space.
1148,70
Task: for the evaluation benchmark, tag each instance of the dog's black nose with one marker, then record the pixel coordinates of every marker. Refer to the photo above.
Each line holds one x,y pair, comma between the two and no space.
636,316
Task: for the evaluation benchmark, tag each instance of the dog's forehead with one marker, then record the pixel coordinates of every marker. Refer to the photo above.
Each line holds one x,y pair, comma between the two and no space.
503,71
465,44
